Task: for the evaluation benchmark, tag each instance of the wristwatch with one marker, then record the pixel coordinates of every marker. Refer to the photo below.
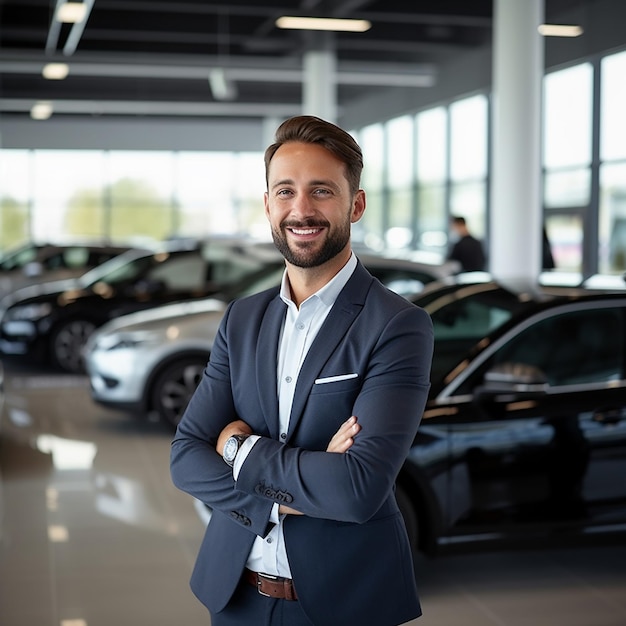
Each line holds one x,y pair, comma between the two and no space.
231,447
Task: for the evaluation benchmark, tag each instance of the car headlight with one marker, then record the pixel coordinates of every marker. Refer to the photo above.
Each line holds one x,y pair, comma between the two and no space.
27,312
124,341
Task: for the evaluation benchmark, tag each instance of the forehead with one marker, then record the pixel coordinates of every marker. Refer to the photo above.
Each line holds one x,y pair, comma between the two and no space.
300,158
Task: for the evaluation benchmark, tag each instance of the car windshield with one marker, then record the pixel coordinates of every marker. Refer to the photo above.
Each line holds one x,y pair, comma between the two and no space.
463,317
123,267
267,277
18,257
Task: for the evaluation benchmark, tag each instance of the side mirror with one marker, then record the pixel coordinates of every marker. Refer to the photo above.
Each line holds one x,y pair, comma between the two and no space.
506,382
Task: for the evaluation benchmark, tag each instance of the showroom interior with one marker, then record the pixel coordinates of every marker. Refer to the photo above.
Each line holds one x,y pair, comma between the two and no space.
136,122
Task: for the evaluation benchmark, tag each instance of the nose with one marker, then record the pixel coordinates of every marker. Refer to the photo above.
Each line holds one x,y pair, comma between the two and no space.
302,206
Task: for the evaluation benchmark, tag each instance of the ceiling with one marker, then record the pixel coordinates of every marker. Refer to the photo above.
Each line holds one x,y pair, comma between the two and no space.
153,57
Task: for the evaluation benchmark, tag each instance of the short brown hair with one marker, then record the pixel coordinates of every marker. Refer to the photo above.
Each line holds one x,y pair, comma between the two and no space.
311,129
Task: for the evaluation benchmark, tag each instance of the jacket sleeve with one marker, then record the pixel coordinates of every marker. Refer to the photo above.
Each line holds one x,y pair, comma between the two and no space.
353,486
195,465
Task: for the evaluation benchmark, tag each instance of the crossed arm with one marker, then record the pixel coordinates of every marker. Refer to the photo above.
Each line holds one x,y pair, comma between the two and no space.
341,442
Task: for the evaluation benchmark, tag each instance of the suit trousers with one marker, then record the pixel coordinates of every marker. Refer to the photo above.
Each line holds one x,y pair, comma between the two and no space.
248,607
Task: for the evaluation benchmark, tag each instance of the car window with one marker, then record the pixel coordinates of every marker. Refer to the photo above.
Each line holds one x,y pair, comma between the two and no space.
462,318
468,319
268,278
574,347
97,257
76,257
183,273
403,281
19,258
55,261
227,271
120,269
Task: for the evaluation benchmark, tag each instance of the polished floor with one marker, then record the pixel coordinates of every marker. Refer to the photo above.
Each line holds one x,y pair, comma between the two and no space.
92,533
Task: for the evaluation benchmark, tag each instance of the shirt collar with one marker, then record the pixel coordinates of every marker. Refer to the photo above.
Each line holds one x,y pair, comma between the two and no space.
330,291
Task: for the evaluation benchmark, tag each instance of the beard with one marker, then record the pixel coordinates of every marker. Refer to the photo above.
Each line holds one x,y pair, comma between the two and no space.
306,253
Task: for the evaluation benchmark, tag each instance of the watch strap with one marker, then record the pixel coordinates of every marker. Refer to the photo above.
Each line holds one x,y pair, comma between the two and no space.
240,439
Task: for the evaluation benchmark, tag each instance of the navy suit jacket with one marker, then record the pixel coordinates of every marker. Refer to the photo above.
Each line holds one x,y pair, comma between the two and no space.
349,554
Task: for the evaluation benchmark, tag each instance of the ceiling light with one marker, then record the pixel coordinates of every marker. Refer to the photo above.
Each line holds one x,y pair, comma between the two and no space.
41,110
55,71
323,23
71,12
560,30
221,87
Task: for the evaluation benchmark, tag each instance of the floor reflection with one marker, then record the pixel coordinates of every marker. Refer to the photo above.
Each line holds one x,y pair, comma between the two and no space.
92,533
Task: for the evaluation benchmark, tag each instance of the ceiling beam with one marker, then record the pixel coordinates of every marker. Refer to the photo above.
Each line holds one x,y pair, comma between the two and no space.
148,108
349,73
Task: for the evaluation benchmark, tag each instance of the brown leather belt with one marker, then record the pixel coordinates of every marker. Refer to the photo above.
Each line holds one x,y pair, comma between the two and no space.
271,586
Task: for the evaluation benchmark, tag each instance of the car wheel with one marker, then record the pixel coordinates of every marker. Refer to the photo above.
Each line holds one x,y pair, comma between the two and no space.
173,387
67,343
409,513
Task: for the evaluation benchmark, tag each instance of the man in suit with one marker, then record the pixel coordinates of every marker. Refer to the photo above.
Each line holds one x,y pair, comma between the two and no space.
305,414
466,249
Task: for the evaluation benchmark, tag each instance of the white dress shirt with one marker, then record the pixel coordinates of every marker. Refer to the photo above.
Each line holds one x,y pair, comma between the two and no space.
268,554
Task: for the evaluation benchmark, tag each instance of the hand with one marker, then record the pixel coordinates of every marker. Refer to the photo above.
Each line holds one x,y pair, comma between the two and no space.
238,427
341,442
283,509
344,438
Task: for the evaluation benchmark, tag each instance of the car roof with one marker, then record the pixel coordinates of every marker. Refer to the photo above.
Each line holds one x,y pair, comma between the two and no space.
540,289
16,257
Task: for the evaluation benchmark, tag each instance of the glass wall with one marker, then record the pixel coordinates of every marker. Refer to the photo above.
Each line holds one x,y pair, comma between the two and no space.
567,157
612,201
15,197
399,183
418,170
583,160
370,229
469,138
431,176
128,196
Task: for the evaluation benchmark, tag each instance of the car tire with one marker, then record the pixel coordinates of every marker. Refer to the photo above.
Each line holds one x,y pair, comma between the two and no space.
67,342
409,513
173,387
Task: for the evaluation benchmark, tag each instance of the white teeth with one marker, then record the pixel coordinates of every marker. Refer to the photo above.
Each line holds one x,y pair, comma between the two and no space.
304,231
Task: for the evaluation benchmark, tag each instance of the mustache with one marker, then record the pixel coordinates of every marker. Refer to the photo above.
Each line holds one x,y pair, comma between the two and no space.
308,223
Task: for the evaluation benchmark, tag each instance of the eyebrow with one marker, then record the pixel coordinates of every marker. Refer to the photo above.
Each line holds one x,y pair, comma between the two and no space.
312,183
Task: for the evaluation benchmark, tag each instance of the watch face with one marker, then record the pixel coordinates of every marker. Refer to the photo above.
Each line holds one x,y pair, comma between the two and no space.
230,449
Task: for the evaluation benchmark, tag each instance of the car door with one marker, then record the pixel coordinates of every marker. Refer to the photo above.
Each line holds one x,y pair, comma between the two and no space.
551,450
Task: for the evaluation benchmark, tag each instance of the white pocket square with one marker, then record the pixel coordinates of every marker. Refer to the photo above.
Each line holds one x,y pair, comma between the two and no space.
334,379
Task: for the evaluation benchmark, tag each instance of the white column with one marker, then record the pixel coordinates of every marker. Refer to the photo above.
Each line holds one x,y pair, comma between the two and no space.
516,205
270,124
320,84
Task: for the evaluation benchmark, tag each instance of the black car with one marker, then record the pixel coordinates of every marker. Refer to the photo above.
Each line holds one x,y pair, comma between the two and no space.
51,321
34,262
524,432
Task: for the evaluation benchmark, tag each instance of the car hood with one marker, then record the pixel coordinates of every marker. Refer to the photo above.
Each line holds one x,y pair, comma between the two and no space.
40,291
163,315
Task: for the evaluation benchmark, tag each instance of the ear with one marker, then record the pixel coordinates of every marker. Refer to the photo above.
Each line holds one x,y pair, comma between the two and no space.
358,206
266,204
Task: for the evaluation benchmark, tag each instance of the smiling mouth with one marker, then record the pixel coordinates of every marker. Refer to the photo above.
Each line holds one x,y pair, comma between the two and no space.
305,231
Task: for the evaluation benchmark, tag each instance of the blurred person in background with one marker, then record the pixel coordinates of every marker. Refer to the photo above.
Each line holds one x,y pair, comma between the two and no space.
465,249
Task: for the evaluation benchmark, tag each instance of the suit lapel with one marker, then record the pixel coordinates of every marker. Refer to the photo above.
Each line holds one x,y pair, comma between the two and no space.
266,362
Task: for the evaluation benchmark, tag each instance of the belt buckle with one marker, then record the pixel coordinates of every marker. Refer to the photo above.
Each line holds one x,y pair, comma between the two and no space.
260,578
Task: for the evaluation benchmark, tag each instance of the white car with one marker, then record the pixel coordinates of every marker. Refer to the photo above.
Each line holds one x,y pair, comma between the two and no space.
151,361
